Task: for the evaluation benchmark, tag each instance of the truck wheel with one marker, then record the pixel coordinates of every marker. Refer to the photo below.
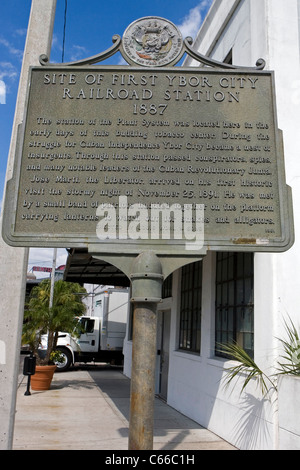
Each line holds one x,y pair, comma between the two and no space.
67,360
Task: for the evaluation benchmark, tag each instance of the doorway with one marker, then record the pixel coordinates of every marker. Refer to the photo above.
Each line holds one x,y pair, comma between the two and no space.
165,323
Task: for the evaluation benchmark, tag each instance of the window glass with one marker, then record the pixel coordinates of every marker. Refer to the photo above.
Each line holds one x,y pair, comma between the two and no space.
234,301
190,307
86,325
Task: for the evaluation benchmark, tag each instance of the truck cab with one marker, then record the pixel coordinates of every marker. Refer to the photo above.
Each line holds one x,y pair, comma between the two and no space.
98,338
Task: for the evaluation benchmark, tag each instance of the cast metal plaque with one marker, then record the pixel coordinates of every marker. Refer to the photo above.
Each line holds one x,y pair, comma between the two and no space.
152,42
112,144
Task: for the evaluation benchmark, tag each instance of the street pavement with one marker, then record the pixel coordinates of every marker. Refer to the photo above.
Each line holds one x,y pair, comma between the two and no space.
87,408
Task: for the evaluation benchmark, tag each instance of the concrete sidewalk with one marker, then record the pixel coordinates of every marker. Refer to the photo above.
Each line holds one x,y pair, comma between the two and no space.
87,408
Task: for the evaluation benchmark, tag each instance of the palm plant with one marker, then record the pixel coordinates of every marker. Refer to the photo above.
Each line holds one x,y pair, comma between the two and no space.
41,319
291,347
246,366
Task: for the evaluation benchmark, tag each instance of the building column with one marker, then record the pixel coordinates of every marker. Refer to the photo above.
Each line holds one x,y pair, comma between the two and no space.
15,260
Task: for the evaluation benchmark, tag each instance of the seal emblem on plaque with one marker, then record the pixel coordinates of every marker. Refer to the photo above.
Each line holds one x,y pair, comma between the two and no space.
152,42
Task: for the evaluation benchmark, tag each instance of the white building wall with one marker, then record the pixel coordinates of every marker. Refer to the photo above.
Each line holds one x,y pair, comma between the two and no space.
252,29
196,387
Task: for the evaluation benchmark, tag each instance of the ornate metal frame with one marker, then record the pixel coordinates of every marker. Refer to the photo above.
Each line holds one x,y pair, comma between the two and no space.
186,49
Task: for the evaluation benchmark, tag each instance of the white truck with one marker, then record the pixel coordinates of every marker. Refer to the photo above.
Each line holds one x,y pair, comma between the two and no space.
101,336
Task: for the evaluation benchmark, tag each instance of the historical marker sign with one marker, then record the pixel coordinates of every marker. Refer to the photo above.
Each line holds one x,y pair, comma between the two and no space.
104,149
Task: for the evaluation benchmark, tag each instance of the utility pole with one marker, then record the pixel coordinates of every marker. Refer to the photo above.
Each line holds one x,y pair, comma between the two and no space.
52,277
14,260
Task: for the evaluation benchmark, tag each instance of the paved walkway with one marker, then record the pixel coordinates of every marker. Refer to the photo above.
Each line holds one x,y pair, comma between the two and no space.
88,408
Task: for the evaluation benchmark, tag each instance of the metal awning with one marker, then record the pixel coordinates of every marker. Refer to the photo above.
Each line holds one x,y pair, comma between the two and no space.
81,267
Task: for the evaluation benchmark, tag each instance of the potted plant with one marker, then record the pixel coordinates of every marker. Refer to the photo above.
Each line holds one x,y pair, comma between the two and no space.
284,393
42,319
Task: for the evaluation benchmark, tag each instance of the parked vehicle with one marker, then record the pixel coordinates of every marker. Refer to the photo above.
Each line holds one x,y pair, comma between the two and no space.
97,338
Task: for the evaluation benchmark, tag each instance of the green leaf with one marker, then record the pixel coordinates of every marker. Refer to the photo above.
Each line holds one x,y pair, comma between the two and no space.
246,367
291,348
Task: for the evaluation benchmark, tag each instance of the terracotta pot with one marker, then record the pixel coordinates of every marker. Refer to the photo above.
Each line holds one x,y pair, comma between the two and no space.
42,378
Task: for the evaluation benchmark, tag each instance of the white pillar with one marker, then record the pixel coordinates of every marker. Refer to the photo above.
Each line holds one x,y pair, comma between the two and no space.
13,266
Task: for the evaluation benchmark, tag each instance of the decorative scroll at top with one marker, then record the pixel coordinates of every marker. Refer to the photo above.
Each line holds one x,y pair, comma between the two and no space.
153,42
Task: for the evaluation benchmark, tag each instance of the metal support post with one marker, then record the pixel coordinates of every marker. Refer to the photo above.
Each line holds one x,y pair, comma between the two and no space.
147,282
